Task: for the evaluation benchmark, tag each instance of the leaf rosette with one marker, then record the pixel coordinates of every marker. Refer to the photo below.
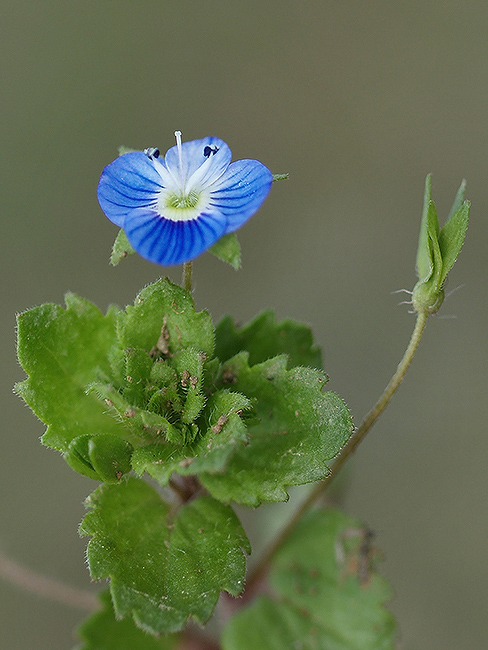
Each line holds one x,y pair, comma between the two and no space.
219,415
156,389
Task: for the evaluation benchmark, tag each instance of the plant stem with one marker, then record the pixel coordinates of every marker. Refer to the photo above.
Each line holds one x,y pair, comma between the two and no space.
187,275
349,448
40,585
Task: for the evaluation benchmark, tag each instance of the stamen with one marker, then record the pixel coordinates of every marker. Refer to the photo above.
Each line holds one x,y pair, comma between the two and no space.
209,150
180,158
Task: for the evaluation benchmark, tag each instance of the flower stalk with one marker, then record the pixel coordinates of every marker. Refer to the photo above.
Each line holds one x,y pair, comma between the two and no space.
349,448
187,276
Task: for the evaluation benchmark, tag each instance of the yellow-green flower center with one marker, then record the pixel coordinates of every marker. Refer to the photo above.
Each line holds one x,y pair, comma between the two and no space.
183,201
177,205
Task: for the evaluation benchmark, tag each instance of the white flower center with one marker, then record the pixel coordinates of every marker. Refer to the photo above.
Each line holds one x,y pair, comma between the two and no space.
180,206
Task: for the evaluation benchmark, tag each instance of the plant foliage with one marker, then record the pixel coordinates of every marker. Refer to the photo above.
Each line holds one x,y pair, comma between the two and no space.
326,593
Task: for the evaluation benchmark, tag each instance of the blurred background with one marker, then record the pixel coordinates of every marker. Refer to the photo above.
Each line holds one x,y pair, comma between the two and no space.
358,101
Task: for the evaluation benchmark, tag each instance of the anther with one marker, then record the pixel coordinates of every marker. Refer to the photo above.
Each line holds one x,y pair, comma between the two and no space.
209,150
152,152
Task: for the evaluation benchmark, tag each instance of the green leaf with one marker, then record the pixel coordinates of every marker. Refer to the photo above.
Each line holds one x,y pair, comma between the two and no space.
121,248
163,569
103,457
110,456
102,631
424,262
141,426
280,177
299,428
451,238
228,249
225,430
137,372
265,338
431,260
458,200
62,351
163,320
189,365
78,458
326,593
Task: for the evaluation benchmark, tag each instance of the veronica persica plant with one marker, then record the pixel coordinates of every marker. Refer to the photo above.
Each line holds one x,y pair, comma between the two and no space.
216,415
172,209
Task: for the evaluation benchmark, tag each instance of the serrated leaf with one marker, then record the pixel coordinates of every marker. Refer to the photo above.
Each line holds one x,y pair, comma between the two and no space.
299,428
62,351
121,248
327,594
162,569
102,631
163,321
264,338
228,249
141,426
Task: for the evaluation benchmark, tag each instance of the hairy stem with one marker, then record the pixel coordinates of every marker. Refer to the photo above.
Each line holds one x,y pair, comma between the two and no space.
40,585
187,275
349,448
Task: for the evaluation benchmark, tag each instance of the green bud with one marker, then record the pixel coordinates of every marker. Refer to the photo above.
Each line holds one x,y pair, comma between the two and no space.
78,457
438,249
104,457
110,456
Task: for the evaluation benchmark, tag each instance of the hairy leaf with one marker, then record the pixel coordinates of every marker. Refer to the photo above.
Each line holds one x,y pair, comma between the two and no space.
326,593
163,569
424,262
438,250
299,428
452,236
265,338
228,249
62,351
122,248
102,631
224,430
103,457
137,374
163,321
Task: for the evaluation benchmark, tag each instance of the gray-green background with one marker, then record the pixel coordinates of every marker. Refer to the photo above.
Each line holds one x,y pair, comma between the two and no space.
357,101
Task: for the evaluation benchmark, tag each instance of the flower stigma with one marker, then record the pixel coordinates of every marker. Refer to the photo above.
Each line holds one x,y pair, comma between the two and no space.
180,158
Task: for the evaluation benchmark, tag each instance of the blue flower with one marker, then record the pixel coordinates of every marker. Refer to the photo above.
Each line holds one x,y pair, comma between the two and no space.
174,208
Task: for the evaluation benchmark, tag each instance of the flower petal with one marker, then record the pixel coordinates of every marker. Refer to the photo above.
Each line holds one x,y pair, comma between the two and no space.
130,181
241,191
168,242
193,157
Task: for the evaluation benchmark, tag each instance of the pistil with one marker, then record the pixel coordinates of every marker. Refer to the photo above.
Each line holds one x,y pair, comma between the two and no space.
180,159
